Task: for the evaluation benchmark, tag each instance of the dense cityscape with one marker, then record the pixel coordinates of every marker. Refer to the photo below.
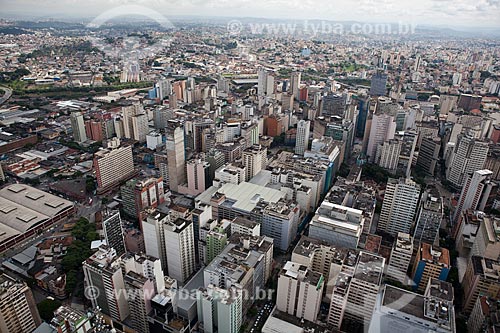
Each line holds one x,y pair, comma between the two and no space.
180,174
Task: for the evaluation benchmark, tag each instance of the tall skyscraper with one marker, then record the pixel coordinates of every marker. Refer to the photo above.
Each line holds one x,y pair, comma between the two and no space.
254,160
363,109
364,287
220,310
141,291
113,231
378,84
399,262
179,239
140,127
468,156
18,311
430,217
475,192
175,154
333,105
154,237
104,275
295,84
382,128
300,291
138,195
78,127
113,166
428,155
399,206
280,221
129,113
198,177
302,141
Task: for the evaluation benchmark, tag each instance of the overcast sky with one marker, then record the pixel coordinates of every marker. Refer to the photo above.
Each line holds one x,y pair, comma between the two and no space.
478,13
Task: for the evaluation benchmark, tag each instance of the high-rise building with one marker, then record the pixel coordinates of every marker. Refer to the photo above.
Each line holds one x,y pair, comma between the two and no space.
266,83
245,226
18,311
475,193
130,113
220,310
430,217
138,195
337,225
399,205
468,156
364,288
447,103
280,221
302,142
254,160
245,263
399,262
216,240
428,155
140,290
430,262
78,127
382,126
399,310
333,105
140,127
113,232
300,291
175,154
163,88
378,84
469,102
94,130
363,109
230,173
103,274
145,265
198,177
113,166
295,84
481,278
154,237
180,249
483,317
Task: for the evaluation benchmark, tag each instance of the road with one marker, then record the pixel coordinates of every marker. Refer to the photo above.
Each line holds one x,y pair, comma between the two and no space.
6,95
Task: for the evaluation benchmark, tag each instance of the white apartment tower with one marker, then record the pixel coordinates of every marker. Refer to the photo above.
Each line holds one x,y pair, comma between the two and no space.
180,250
399,205
254,159
220,310
468,156
475,192
399,262
299,291
302,141
364,287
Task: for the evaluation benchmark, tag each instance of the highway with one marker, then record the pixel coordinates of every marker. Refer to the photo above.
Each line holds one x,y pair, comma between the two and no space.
6,95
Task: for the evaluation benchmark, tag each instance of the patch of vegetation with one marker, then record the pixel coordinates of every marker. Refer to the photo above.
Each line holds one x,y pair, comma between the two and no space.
47,307
375,173
84,233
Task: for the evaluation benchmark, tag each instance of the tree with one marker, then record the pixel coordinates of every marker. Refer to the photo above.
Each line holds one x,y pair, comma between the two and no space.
47,307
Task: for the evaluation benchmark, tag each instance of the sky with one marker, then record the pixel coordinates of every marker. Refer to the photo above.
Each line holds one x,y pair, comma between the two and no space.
448,13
